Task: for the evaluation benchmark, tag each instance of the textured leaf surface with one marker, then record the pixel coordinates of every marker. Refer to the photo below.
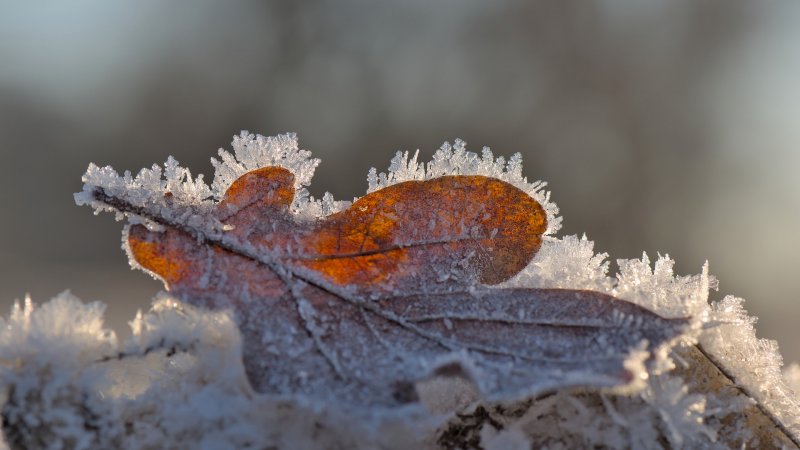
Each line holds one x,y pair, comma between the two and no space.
359,305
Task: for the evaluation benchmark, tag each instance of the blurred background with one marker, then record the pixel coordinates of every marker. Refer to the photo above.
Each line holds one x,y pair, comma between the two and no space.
667,126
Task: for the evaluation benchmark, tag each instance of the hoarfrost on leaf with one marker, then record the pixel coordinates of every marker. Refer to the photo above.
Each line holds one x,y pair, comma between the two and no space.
754,363
177,383
568,263
252,152
456,160
363,304
437,311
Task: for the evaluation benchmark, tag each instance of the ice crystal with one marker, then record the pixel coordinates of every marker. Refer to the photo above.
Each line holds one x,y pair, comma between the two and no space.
51,385
177,383
754,363
456,160
585,419
170,192
252,152
570,263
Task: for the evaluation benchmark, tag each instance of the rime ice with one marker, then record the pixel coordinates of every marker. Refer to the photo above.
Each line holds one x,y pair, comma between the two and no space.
456,160
484,352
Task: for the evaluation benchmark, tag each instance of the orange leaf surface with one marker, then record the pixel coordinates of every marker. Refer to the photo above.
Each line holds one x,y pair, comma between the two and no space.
361,305
408,232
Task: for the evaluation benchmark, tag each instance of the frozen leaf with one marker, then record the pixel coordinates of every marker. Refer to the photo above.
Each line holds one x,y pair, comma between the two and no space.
435,310
365,305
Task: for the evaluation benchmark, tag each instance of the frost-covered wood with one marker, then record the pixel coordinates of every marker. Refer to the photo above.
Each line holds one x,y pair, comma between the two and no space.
562,355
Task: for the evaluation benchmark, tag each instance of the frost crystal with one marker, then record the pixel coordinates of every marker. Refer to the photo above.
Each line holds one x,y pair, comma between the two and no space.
570,263
171,193
252,152
456,160
754,363
49,379
177,383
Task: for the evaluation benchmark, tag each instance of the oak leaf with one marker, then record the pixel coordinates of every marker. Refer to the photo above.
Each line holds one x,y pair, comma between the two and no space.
362,306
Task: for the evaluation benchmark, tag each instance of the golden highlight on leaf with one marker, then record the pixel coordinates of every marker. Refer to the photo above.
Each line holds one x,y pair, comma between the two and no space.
157,255
411,230
267,186
495,224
